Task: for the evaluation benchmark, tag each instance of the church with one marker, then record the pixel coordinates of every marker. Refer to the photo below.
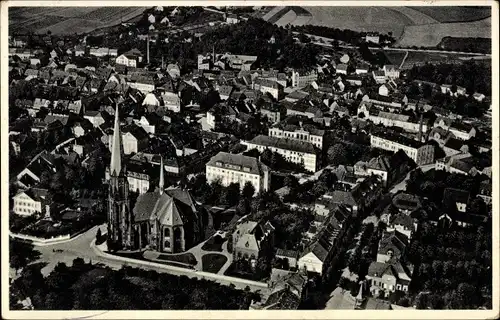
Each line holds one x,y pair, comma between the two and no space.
166,220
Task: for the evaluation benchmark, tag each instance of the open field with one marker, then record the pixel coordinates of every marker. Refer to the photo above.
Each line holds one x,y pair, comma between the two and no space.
68,20
430,35
455,14
412,26
395,57
419,58
380,19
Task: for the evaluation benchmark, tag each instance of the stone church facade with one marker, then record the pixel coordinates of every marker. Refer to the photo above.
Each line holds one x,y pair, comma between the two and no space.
166,220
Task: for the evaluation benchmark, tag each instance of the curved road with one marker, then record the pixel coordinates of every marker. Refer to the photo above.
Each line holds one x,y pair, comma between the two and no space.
80,247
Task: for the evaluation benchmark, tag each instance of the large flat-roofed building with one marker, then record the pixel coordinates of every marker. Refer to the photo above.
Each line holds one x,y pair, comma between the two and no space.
236,168
292,150
419,152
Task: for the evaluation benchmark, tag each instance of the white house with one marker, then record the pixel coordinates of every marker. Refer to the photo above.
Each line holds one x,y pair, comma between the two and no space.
236,168
30,201
268,86
151,18
391,71
171,101
150,100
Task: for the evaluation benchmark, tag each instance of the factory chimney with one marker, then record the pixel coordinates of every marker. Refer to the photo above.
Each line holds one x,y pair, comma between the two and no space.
420,125
147,48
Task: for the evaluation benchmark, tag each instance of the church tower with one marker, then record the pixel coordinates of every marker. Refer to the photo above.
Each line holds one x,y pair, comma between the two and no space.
119,213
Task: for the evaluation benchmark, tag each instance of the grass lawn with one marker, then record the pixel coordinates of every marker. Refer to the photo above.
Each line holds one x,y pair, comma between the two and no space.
213,244
139,256
186,258
213,262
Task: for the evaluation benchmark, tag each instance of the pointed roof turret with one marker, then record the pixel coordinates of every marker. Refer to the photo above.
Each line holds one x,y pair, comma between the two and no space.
115,167
162,179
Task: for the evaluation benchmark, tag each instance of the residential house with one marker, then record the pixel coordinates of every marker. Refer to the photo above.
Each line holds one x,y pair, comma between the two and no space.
287,290
461,163
130,58
272,111
296,96
485,189
402,223
268,86
134,139
379,76
462,130
372,37
389,277
455,146
320,255
236,168
32,174
387,88
361,69
232,19
478,96
303,108
391,169
455,199
30,201
391,71
225,92
252,239
143,83
149,122
342,68
171,101
151,100
95,117
440,135
291,256
295,151
302,78
392,245
358,199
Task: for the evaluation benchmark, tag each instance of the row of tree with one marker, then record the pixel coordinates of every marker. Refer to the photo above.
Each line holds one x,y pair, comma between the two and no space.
86,287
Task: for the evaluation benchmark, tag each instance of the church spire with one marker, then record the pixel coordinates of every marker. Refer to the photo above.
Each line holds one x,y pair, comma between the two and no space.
117,148
162,180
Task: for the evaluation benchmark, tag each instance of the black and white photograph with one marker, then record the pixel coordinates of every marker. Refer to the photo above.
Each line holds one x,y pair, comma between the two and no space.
252,157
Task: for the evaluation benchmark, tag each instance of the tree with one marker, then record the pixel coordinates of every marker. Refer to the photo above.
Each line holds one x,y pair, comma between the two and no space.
21,254
231,194
344,283
248,191
337,154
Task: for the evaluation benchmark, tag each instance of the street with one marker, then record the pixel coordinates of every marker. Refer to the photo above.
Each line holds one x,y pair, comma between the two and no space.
80,247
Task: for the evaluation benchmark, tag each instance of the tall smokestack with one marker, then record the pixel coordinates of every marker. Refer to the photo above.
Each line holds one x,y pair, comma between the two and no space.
162,62
420,125
213,55
148,49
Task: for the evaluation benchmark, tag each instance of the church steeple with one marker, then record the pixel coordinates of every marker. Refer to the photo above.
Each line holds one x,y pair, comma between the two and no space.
120,219
115,167
162,180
